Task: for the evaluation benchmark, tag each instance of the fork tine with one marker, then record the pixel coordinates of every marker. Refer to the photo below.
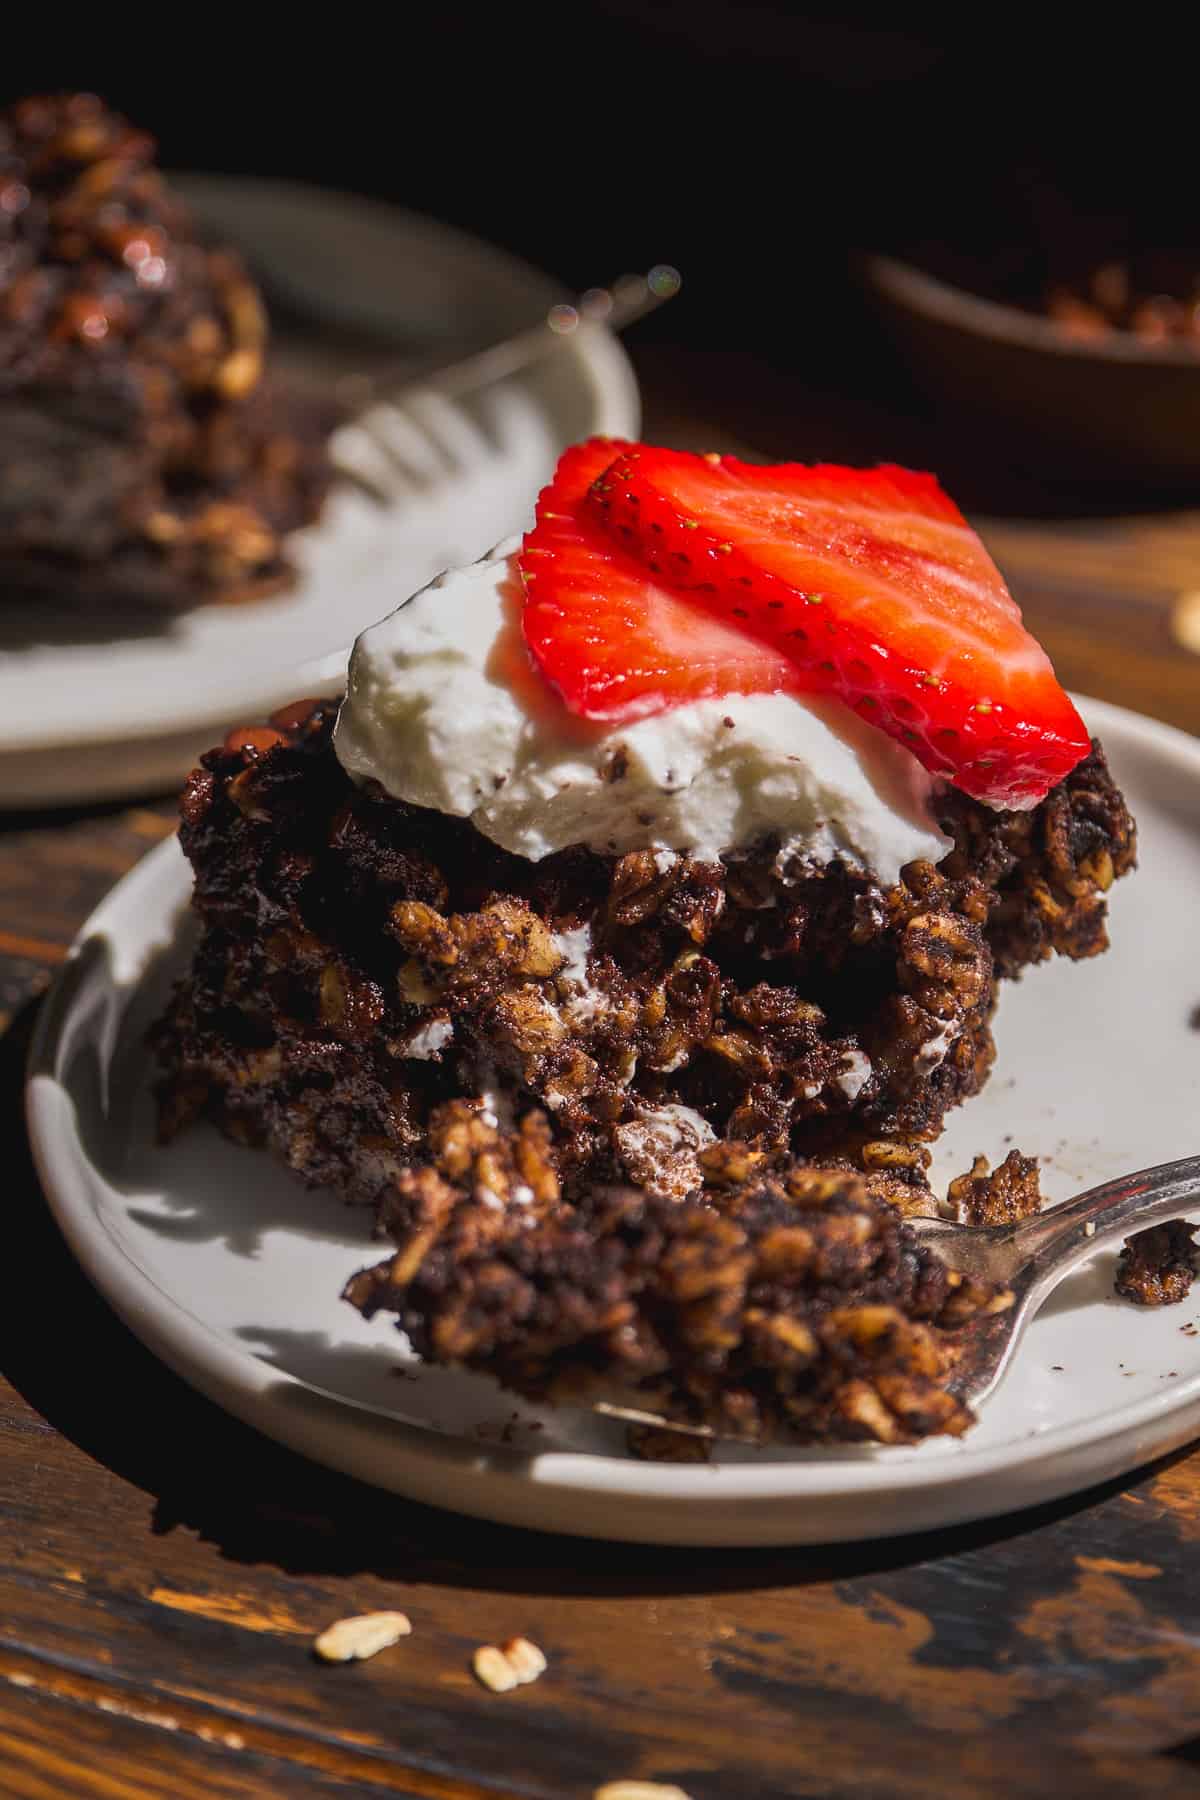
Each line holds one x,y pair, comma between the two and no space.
452,430
357,455
423,441
405,445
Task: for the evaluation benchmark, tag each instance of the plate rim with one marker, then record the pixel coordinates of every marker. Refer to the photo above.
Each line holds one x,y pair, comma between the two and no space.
241,1382
602,362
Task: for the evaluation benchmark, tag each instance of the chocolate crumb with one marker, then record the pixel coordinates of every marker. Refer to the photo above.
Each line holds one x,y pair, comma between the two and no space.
1157,1267
998,1196
655,1443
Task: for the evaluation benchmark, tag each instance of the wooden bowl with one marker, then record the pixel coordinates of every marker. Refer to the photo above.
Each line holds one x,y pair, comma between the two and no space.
1114,410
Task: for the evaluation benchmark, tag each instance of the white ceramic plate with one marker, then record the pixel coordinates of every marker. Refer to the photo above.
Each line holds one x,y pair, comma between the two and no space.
94,718
230,1271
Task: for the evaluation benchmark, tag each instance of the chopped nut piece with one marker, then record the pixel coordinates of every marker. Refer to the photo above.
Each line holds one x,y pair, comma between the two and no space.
999,1197
366,1634
422,930
239,373
515,1663
501,1670
1157,1266
640,1790
1185,620
493,1668
524,1659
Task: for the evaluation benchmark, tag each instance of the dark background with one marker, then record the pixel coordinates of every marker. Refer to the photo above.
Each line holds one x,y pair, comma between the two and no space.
754,145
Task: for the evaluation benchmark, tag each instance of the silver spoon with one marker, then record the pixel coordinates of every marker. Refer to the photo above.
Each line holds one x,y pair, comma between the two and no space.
1030,1259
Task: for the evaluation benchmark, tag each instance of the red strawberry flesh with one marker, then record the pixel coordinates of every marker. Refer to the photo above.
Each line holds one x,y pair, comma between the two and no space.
612,640
873,586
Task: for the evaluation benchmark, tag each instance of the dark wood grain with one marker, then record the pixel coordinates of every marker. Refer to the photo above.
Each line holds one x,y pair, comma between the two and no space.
163,1570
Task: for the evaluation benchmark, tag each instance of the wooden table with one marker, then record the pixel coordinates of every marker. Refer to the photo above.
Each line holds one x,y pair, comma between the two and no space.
163,1571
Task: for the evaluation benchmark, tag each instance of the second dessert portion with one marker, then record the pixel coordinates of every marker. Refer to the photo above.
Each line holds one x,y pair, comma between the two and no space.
633,1015
148,456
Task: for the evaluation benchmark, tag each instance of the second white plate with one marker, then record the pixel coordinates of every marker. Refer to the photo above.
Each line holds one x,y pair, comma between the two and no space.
91,717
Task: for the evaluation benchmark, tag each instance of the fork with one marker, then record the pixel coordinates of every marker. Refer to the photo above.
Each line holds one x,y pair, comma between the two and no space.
406,428
1030,1259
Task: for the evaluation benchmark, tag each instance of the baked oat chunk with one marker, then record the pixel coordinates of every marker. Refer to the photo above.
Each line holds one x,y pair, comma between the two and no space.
363,961
1000,1196
1050,868
147,455
1157,1267
789,1304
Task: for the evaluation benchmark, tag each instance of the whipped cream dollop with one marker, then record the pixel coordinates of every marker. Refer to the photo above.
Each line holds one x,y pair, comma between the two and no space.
444,709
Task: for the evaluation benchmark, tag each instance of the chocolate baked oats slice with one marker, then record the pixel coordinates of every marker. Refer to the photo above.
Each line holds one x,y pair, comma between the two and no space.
627,975
516,1061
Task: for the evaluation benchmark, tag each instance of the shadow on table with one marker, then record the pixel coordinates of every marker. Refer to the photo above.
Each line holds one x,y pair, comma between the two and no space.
89,1377
16,820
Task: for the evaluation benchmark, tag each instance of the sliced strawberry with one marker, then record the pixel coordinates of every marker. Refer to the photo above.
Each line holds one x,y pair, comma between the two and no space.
873,584
614,642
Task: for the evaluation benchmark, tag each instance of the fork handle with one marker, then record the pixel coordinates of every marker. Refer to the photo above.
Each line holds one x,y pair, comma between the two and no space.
630,299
